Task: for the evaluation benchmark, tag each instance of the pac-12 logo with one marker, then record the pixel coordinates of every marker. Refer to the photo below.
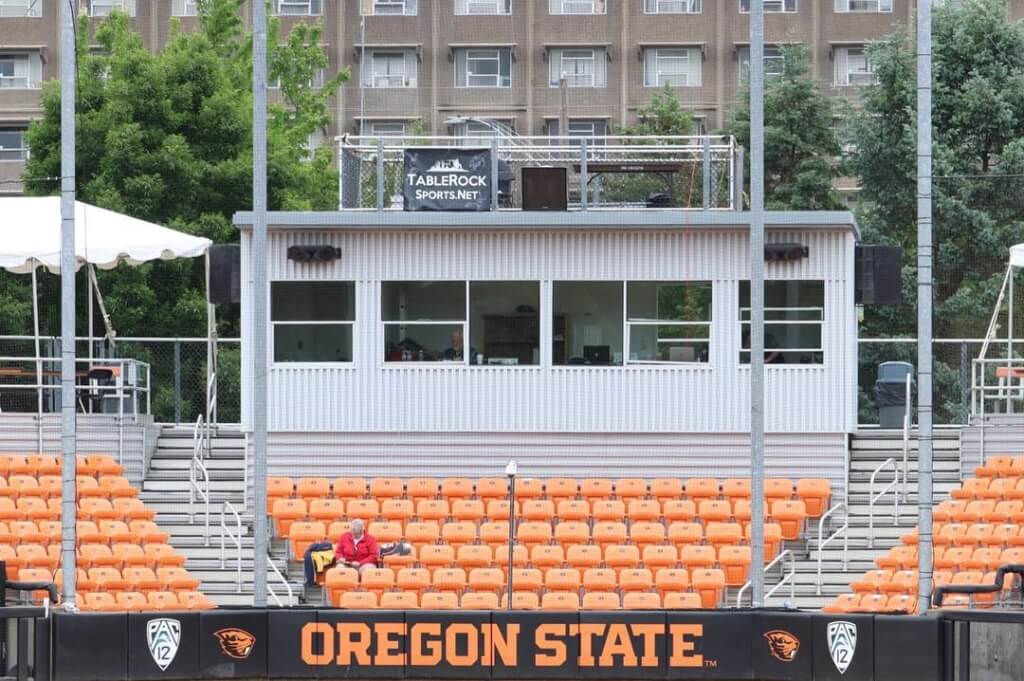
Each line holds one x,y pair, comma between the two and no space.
842,643
163,636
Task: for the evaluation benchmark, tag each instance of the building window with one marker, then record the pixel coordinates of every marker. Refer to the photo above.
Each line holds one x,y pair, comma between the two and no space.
771,6
675,66
774,62
472,131
20,71
390,69
102,8
577,6
668,321
427,321
312,8
21,8
483,6
13,145
672,6
483,67
587,323
312,320
185,8
389,7
592,130
580,67
794,313
863,6
853,67
383,128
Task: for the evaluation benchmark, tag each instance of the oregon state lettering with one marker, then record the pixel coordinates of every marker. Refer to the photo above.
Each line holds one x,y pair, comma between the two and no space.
466,644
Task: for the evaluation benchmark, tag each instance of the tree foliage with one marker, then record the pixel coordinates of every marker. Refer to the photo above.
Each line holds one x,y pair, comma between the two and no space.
167,137
663,115
801,147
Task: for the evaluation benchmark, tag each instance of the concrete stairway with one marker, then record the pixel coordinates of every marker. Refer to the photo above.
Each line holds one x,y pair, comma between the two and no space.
166,490
868,449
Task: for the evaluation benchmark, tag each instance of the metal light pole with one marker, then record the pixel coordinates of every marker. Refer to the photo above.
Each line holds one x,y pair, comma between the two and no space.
757,302
258,268
68,445
510,470
924,301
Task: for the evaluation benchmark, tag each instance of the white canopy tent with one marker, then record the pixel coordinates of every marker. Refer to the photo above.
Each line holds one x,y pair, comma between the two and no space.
1017,256
103,238
1010,369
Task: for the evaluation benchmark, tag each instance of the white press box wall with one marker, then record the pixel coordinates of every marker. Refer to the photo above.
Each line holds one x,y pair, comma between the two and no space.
354,418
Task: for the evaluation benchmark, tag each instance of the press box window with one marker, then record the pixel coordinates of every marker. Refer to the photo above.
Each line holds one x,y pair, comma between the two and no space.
427,321
587,323
794,313
668,321
312,320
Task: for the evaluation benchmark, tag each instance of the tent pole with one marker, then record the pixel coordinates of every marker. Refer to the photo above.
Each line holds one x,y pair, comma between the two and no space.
68,61
91,277
1009,350
39,365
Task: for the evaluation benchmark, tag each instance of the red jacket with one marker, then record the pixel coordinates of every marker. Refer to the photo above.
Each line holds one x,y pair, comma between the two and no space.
366,553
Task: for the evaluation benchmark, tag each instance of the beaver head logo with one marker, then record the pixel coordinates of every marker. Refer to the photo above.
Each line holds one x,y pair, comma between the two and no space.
782,645
235,643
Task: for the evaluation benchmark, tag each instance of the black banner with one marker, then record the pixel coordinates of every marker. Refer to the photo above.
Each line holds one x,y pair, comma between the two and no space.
447,179
501,645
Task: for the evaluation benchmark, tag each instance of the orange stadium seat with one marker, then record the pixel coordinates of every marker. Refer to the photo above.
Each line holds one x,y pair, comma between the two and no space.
435,557
547,556
11,560
972,488
423,532
479,601
701,488
532,533
366,510
645,533
735,489
27,532
499,509
563,579
583,556
386,488
608,510
194,600
601,600
629,489
682,600
995,466
872,581
468,510
593,489
278,488
118,486
326,510
130,554
486,579
527,579
520,556
471,556
709,583
285,512
621,556
147,532
599,579
397,510
643,510
101,602
521,600
669,580
664,489
723,534
816,493
607,532
569,533
449,579
142,579
338,580
560,600
790,515
436,510
97,555
529,488
377,579
418,489
36,508
101,464
714,511
735,562
348,488
302,534
44,464
129,509
488,489
682,533
399,600
697,556
165,555
456,488
439,600
36,575
107,579
902,603
659,556
561,489
494,532
679,510
541,510
357,600
385,532
641,600
177,579
412,579
636,579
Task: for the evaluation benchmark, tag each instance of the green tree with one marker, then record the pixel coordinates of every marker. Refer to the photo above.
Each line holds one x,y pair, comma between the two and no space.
663,115
801,147
978,160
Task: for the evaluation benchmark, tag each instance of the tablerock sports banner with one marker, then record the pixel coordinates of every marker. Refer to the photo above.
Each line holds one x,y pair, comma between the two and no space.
447,179
478,645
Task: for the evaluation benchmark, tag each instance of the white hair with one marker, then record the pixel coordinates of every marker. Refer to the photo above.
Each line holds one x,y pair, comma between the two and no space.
357,524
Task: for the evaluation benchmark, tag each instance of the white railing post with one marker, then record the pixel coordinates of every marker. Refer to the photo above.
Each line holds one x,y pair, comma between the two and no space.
906,436
236,539
873,498
788,577
843,530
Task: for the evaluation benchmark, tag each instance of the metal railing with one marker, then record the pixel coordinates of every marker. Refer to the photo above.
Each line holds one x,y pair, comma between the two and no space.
843,530
236,539
280,578
199,488
908,410
698,172
788,577
874,499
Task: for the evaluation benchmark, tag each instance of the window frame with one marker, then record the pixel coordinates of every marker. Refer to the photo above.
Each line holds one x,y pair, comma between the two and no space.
653,6
629,323
27,84
185,6
596,53
310,5
768,4
497,4
465,324
410,8
31,9
848,7
777,56
862,51
311,364
373,123
498,77
745,323
594,4
126,6
406,79
655,53
23,149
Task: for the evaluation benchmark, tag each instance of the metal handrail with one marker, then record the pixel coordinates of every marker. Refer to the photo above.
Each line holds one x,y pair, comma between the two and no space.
844,530
198,435
287,586
787,578
873,498
236,539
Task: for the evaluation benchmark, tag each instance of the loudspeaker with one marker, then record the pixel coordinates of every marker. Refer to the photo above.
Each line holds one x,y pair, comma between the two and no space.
313,253
545,189
879,275
225,274
784,252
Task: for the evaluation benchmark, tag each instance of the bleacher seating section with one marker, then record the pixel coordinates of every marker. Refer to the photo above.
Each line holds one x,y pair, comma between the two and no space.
591,544
974,532
124,560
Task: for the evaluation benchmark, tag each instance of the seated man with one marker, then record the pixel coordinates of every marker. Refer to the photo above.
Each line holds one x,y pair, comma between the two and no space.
356,549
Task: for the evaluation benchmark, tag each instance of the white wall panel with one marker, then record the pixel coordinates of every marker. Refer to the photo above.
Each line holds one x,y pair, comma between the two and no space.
713,398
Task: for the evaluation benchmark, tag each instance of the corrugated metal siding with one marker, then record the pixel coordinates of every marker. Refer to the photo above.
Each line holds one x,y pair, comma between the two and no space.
1003,435
96,434
369,397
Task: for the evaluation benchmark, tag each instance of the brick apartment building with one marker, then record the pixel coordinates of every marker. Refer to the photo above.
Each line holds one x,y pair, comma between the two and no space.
444,63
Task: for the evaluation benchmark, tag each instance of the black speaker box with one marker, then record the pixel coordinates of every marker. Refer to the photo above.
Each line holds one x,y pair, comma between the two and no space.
545,189
225,274
879,275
